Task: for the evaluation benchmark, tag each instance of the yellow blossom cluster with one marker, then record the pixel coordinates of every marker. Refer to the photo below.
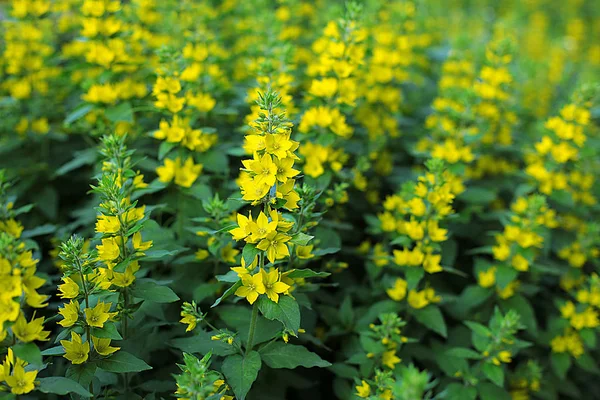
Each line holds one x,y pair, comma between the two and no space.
553,165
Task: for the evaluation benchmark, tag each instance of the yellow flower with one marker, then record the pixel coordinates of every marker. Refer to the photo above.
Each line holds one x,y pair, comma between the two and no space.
21,382
187,174
70,313
520,263
414,230
244,227
9,310
505,356
487,278
431,264
364,390
108,224
389,359
188,319
28,332
201,254
262,227
304,252
398,292
274,245
103,347
252,287
228,253
264,168
69,289
108,250
138,245
417,299
98,315
76,351
273,287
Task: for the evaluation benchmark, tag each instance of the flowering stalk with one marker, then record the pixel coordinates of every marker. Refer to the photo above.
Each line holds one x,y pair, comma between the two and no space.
18,287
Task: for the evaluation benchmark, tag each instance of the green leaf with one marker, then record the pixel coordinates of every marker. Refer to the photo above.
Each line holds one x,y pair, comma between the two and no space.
301,239
463,352
249,253
521,305
54,351
282,355
109,331
414,276
479,329
561,362
286,311
154,255
494,373
307,273
201,343
84,157
82,373
164,149
478,195
456,391
152,291
28,352
39,231
347,312
229,277
432,317
227,293
77,114
488,391
586,362
62,386
120,113
215,161
241,372
473,296
122,361
505,275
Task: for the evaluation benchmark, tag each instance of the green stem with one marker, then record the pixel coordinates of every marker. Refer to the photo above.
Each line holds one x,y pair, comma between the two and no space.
126,316
179,215
88,333
252,327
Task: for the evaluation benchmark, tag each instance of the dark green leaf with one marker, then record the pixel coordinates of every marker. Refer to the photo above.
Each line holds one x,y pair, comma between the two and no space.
432,317
62,386
121,362
463,352
120,113
283,355
28,352
77,114
249,253
561,362
488,391
494,373
227,293
241,372
151,291
82,373
478,195
109,331
286,311
301,239
347,312
456,391
229,277
39,231
307,273
202,343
